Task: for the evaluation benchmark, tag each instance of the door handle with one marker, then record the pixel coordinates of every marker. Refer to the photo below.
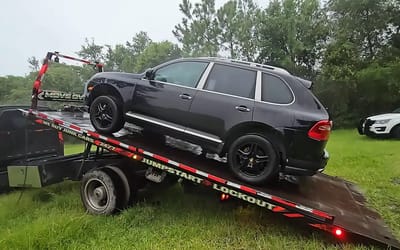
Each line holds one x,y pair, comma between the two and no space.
185,96
242,108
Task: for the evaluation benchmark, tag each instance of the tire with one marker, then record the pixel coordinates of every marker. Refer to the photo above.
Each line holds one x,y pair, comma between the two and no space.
360,127
243,155
125,193
395,132
106,115
99,193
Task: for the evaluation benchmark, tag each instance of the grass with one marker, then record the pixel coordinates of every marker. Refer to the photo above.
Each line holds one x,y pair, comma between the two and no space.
53,217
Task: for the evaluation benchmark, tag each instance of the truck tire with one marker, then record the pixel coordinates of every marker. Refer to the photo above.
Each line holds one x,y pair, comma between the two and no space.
253,159
125,192
106,115
99,192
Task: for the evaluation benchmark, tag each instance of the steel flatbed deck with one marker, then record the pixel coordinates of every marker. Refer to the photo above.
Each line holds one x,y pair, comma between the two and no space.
325,202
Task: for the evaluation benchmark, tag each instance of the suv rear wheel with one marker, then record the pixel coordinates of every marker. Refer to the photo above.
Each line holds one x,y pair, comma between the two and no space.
105,115
252,158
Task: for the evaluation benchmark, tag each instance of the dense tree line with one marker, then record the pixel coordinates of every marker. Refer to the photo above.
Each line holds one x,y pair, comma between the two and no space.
349,48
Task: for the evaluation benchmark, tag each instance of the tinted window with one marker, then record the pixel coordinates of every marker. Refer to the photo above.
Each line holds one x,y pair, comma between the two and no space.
181,73
232,81
275,90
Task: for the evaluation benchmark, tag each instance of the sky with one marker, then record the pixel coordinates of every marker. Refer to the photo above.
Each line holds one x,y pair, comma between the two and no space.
32,28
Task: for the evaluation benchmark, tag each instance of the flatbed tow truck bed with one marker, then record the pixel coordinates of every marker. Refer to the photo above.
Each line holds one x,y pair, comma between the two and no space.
322,201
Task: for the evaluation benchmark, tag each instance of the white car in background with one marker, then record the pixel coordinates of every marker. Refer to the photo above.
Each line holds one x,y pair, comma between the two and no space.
385,125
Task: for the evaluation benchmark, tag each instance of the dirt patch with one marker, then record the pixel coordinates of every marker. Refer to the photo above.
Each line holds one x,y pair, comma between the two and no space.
396,180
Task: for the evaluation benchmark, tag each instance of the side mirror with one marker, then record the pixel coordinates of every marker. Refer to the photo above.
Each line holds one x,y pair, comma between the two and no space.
150,74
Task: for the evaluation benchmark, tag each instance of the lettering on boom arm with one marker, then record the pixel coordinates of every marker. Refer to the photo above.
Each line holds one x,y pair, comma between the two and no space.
215,186
49,95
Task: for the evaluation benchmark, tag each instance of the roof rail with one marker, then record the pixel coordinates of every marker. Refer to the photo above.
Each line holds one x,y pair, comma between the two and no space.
251,64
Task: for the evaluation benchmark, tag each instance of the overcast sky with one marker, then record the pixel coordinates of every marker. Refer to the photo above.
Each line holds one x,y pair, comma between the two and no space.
31,28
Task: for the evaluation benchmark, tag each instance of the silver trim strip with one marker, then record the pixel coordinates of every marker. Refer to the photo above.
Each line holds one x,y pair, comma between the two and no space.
154,121
207,137
219,93
258,86
170,126
204,77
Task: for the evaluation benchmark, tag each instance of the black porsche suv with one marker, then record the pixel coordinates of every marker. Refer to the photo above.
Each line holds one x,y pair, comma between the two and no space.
263,118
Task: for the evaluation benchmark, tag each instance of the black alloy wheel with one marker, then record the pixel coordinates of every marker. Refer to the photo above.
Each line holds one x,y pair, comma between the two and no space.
105,115
253,159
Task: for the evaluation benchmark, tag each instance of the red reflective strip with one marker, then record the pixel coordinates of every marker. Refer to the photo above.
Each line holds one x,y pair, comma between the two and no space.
161,158
74,127
249,190
322,214
278,209
140,150
217,179
190,169
132,148
42,115
39,121
60,137
57,121
95,135
294,215
97,142
115,142
283,201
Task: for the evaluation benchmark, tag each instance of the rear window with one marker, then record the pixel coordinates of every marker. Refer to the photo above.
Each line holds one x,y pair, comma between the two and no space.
275,90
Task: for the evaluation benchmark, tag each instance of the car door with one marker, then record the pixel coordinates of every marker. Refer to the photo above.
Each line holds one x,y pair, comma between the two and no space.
226,99
165,100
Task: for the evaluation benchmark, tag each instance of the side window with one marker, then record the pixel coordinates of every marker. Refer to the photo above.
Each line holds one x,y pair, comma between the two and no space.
275,90
232,81
181,73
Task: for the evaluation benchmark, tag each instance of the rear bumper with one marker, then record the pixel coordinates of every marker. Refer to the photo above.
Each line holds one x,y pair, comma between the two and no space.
307,168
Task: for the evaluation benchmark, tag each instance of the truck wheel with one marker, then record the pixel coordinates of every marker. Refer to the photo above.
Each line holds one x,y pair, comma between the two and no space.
253,159
106,115
396,132
99,192
125,192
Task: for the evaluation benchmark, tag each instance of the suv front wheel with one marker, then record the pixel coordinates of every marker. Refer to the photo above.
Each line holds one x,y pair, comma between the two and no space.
252,158
106,115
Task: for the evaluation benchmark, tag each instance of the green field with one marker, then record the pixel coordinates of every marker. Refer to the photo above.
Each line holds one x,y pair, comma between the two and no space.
53,217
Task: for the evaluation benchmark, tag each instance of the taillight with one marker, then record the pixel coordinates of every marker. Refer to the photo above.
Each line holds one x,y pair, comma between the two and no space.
321,130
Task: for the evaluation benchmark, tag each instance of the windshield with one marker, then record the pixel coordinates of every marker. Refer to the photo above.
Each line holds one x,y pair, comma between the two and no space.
396,110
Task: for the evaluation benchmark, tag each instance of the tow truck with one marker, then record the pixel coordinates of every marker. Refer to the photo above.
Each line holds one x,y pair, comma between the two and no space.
112,169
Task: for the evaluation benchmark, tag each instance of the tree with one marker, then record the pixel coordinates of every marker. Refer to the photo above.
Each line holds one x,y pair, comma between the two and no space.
155,54
199,30
292,34
91,51
33,63
358,64
237,23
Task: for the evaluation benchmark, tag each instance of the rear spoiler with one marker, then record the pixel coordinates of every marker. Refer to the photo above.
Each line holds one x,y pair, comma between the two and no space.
306,83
